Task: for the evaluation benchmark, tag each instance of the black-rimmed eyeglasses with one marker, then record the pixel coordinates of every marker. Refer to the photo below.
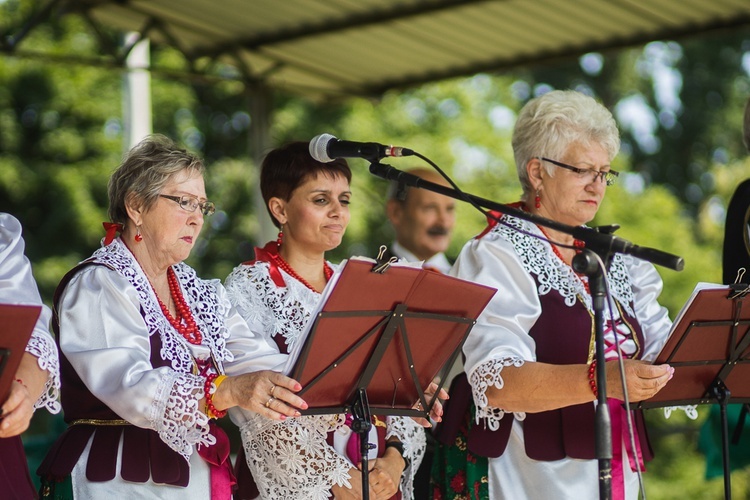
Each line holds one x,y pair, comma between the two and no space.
191,204
587,174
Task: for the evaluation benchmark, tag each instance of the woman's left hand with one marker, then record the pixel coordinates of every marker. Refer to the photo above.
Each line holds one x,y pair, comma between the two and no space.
17,411
266,392
385,475
436,413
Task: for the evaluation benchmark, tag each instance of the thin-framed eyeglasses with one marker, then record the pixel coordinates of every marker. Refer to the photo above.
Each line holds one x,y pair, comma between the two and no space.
191,204
588,174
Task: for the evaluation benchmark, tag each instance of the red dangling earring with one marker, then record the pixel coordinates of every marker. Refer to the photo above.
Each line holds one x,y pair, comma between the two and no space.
537,200
280,237
138,238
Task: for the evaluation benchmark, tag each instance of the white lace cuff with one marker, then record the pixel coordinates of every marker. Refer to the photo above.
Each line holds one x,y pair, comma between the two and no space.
690,410
488,375
43,347
292,459
412,435
176,414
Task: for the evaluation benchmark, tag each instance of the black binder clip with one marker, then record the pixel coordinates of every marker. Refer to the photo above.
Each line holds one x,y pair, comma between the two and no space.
739,289
381,265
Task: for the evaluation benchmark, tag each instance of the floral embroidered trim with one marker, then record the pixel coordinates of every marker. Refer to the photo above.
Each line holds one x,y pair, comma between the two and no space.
690,410
280,310
412,435
175,412
488,375
291,459
538,259
43,348
200,295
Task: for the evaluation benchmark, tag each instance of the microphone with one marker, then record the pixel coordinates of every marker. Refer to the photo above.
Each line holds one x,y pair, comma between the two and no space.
325,148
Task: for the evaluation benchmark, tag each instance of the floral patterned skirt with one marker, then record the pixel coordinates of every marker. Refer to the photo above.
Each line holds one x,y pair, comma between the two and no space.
458,474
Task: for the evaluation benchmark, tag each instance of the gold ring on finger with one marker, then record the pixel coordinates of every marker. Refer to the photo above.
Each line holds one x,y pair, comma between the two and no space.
273,388
268,403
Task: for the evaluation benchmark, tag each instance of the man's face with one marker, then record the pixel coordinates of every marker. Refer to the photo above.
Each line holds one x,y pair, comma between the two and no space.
423,222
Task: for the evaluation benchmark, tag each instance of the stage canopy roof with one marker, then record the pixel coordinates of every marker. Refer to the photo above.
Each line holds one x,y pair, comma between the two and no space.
364,47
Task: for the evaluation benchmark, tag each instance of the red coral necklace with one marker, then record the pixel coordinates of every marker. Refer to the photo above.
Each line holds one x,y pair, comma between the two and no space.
184,323
327,272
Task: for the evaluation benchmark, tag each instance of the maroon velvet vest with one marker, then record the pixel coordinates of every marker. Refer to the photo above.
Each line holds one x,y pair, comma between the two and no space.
144,455
563,335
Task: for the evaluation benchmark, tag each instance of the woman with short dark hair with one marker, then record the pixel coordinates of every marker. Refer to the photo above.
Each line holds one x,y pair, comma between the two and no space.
312,457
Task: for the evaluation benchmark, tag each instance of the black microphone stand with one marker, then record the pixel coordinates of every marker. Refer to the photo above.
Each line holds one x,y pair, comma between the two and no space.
588,263
600,246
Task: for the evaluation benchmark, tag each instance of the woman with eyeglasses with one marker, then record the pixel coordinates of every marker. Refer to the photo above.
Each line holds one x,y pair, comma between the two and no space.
145,344
527,427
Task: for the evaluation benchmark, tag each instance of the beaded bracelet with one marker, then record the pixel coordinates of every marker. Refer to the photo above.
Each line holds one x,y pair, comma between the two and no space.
211,410
592,379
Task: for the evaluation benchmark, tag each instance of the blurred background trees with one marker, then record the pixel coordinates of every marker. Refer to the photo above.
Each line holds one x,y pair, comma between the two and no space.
679,106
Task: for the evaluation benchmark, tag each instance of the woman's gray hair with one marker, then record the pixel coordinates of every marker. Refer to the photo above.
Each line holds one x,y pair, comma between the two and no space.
144,172
549,124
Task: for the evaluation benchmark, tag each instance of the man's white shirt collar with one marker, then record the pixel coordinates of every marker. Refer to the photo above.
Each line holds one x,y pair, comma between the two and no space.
438,261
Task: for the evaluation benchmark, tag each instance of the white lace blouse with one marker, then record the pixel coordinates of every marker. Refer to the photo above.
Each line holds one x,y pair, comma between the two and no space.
107,315
291,459
17,286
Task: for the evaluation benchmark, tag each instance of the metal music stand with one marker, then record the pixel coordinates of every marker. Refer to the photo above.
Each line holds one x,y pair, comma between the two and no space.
709,349
379,338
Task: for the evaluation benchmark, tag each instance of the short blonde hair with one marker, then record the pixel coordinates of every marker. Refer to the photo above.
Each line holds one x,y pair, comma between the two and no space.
549,124
144,172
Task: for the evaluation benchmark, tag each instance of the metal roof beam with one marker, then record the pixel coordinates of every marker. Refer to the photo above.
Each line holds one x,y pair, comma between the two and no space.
739,22
370,18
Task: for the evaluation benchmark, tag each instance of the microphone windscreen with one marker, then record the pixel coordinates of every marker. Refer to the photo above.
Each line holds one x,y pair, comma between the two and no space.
319,147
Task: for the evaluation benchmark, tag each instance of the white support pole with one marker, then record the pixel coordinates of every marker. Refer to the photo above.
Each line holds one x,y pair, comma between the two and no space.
261,104
137,92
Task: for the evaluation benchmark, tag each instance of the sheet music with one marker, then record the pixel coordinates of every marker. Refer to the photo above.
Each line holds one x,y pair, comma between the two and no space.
698,287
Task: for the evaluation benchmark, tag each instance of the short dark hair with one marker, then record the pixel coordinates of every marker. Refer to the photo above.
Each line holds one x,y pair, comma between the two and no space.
285,168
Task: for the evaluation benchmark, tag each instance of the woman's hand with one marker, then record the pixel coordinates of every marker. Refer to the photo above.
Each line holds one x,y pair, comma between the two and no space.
17,411
24,391
436,413
355,492
385,476
266,392
643,379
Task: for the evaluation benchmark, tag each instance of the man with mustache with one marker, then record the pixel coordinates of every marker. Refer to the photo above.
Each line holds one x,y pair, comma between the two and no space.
423,222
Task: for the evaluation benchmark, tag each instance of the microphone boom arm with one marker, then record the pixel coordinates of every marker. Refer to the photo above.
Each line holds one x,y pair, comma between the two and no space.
599,242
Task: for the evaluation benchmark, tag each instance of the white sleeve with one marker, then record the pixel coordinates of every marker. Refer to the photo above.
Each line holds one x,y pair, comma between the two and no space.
653,318
248,305
252,350
17,286
500,337
501,331
105,339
